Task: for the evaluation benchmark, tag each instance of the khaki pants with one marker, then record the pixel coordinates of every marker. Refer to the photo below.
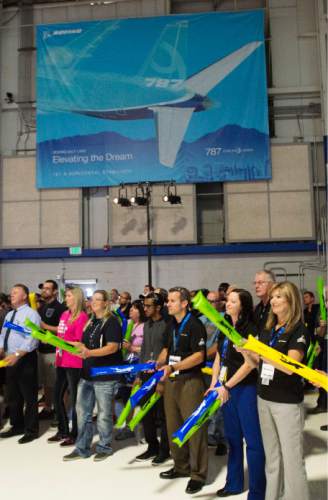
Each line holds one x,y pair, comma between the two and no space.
282,432
181,398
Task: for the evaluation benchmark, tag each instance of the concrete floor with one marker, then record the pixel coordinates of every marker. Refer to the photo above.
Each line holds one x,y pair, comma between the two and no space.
36,471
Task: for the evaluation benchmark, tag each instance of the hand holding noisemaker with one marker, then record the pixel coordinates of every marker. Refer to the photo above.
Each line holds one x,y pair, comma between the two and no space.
49,338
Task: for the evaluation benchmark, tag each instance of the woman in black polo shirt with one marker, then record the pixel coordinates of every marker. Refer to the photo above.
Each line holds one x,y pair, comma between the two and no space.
238,397
101,346
280,396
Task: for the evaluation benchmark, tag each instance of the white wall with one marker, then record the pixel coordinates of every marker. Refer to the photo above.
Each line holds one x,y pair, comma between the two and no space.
131,273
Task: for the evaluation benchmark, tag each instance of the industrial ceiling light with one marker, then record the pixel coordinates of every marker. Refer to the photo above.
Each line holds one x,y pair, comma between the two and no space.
171,195
122,198
139,198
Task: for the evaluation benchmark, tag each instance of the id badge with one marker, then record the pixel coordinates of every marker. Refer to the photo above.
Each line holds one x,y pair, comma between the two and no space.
172,361
223,374
267,373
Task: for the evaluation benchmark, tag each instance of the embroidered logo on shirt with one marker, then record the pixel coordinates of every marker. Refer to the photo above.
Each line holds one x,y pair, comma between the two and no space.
282,341
201,342
301,339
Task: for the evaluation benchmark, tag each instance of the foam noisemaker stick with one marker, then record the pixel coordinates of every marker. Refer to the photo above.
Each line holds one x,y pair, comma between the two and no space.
32,299
252,344
128,334
126,410
207,370
122,319
121,369
153,400
321,295
144,410
49,338
155,397
3,363
208,406
17,328
312,354
146,388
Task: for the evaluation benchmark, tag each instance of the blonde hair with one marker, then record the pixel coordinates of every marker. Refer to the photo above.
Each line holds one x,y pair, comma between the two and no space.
107,314
293,297
78,295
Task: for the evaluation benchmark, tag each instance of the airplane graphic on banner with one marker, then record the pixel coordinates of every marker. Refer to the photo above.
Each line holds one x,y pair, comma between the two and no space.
173,117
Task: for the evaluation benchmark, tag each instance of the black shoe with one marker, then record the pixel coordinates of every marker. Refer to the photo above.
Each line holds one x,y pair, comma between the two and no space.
68,442
46,414
324,428
57,438
226,493
172,474
221,450
12,432
160,459
316,410
124,433
72,456
101,456
194,486
27,438
147,455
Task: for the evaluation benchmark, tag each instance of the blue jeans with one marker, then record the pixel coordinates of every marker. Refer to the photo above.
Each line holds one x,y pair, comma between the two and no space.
241,421
216,428
89,393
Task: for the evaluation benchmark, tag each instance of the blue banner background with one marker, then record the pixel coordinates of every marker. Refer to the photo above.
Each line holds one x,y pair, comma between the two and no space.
151,99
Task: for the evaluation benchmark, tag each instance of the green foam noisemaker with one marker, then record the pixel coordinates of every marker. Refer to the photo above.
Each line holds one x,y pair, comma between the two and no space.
321,295
126,410
49,338
252,344
146,407
127,336
312,354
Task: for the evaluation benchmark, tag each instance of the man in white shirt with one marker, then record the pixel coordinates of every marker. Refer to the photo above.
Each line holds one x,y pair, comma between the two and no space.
19,351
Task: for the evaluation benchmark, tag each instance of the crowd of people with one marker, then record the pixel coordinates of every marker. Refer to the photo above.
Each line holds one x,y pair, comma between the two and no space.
261,403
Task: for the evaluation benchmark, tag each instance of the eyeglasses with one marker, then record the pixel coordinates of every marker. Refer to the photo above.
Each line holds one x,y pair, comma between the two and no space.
149,305
213,301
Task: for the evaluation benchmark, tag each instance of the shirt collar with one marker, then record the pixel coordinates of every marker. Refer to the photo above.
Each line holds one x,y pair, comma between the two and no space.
20,308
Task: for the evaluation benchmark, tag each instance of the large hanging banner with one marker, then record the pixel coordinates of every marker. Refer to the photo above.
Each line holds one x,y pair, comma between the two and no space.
179,98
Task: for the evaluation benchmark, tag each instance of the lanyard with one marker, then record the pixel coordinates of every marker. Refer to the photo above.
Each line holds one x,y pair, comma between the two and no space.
176,336
224,349
275,335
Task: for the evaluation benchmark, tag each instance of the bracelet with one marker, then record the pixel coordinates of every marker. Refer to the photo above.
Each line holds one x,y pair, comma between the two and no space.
226,387
172,369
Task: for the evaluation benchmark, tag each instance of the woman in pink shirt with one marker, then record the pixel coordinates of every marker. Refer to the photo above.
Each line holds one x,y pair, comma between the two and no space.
68,366
137,315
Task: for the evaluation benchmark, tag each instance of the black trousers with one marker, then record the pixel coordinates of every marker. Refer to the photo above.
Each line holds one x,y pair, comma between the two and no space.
22,389
156,417
66,378
152,420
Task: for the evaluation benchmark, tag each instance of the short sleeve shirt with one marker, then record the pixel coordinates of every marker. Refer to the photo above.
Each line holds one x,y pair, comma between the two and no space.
50,314
285,388
232,359
96,335
192,339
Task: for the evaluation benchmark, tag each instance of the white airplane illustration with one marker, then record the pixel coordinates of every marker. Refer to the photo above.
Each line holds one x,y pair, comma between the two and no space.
172,116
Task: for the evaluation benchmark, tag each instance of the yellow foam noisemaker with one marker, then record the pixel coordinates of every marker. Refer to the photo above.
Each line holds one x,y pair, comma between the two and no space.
252,344
32,299
3,363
